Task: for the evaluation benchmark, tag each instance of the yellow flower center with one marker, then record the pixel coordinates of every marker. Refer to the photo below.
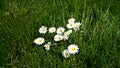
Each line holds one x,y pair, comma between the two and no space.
66,53
76,25
52,29
43,29
47,46
72,48
58,38
60,30
39,40
70,24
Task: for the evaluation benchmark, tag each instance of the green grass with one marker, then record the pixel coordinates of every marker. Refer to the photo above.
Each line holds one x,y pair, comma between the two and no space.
99,43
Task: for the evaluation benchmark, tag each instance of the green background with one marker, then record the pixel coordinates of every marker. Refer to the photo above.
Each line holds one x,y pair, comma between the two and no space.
99,43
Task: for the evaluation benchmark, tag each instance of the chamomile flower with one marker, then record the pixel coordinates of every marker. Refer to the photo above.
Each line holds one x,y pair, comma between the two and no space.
76,26
71,20
39,41
65,53
47,46
73,49
60,30
43,29
65,37
68,32
70,25
52,30
58,38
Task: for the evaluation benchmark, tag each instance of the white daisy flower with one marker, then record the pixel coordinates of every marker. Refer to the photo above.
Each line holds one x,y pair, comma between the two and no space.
76,26
65,53
68,32
73,49
71,20
60,30
58,37
70,25
65,37
52,30
47,46
43,29
39,41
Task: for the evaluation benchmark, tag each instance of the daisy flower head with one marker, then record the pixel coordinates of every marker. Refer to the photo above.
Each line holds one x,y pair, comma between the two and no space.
39,41
43,29
47,46
71,20
70,25
60,30
73,49
76,26
52,30
68,32
65,37
65,53
58,38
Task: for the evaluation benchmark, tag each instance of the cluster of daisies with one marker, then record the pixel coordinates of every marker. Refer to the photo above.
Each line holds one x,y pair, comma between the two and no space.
60,34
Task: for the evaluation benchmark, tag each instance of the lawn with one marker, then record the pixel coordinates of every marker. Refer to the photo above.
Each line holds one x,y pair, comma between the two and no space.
99,41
